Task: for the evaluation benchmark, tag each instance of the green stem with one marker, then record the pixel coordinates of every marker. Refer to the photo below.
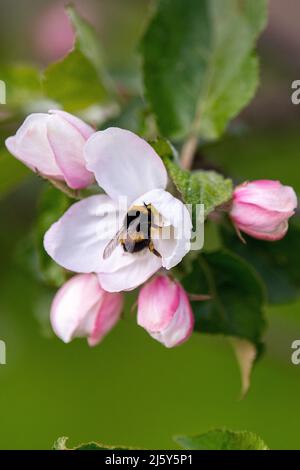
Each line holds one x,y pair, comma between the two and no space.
65,189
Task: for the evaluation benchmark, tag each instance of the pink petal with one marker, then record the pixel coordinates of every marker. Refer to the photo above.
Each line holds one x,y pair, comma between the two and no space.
257,218
180,328
267,194
262,209
124,164
81,308
84,129
276,234
157,303
67,144
111,309
165,312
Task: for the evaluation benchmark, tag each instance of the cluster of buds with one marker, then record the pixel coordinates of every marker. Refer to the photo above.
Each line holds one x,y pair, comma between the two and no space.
64,149
81,308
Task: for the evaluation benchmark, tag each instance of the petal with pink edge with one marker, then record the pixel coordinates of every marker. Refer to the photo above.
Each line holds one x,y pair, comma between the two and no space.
157,302
67,145
76,306
180,328
81,308
109,315
267,194
85,130
30,145
165,312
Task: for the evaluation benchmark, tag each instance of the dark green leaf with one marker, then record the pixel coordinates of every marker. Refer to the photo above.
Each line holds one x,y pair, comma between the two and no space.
236,308
207,72
277,263
52,206
198,187
222,439
12,172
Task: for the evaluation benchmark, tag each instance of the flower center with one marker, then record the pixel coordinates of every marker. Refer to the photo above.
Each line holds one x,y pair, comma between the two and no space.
137,234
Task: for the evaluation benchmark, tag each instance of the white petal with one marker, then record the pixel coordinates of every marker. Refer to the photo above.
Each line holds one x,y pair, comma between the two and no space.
142,267
172,243
124,164
31,146
78,239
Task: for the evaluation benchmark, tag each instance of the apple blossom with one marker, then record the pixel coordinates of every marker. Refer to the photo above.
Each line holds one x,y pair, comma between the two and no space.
164,310
82,308
262,209
52,145
126,167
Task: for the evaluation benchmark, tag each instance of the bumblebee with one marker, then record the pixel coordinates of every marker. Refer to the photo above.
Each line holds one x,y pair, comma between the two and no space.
135,233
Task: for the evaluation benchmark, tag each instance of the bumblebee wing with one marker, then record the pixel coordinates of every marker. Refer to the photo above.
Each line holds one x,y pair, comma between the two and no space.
112,245
132,228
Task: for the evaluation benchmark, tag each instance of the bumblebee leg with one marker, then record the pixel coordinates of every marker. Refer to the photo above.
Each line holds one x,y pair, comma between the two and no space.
153,250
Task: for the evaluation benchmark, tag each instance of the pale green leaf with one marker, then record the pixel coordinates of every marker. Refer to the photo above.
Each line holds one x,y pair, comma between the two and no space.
61,444
198,187
222,439
86,39
23,85
74,83
80,79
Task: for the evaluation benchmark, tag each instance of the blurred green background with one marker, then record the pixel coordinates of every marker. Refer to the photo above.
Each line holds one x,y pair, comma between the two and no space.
130,390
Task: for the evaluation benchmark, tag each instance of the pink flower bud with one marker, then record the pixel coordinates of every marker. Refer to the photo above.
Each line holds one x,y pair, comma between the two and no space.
81,308
165,312
52,145
52,33
262,209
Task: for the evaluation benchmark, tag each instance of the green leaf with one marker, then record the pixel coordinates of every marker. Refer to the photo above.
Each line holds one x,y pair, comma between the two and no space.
207,72
217,111
61,444
236,307
277,263
222,439
23,85
12,172
74,83
198,187
52,206
79,80
86,39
